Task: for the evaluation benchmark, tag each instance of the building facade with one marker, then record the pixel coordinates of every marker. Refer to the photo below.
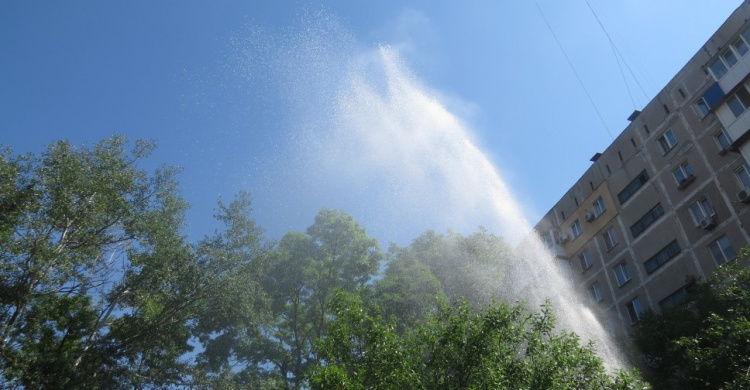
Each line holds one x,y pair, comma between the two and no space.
670,197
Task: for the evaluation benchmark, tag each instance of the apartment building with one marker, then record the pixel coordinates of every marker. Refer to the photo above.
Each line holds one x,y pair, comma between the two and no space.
670,197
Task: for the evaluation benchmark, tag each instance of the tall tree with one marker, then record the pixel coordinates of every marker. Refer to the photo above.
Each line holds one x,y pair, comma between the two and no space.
468,267
703,342
84,242
98,288
408,291
233,306
499,346
297,277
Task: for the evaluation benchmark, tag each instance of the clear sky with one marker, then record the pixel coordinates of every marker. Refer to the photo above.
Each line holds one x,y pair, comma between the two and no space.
225,87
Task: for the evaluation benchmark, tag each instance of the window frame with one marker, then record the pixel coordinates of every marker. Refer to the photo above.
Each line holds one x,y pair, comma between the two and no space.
633,186
730,56
647,220
718,72
610,238
701,209
686,172
702,107
585,260
722,134
635,309
722,250
743,179
662,256
576,228
667,141
598,207
597,295
742,44
622,273
674,299
739,101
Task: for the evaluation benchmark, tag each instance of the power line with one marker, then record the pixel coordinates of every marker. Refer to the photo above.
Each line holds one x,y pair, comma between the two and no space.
618,56
565,54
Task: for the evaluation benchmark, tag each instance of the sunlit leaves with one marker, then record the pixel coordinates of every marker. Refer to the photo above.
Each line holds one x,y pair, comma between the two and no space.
704,342
501,346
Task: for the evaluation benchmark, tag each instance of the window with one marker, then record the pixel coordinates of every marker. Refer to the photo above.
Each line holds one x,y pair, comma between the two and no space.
739,102
610,237
635,309
622,273
701,210
702,107
646,220
549,239
740,46
683,173
674,299
729,58
667,141
722,250
743,175
586,260
721,65
662,256
632,187
722,138
575,227
718,68
596,292
599,207
610,327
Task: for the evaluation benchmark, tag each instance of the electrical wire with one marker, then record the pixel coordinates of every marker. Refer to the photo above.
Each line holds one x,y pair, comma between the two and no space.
575,72
618,56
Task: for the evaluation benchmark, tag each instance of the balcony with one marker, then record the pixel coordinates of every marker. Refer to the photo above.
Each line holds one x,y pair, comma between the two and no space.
736,73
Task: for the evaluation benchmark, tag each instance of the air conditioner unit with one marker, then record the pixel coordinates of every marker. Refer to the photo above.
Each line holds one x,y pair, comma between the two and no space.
589,217
708,223
744,195
562,238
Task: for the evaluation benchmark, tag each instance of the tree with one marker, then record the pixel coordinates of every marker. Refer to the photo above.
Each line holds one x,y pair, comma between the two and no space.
408,291
297,278
501,346
468,267
83,239
234,305
98,288
702,343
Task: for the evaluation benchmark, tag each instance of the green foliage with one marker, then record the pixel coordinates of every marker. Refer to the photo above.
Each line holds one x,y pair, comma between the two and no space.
704,342
80,228
501,346
296,280
233,303
408,291
98,288
469,268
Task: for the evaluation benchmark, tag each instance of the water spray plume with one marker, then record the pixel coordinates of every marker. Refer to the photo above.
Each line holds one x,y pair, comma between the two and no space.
390,152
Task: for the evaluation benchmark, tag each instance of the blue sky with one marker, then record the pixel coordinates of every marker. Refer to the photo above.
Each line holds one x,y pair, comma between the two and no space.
227,88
